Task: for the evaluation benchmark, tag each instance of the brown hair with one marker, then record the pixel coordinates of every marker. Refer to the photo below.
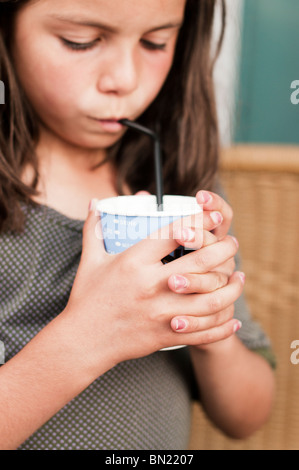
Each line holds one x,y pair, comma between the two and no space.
184,112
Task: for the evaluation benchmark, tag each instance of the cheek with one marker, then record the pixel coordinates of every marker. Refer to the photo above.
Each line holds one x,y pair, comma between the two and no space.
52,89
157,73
58,89
48,84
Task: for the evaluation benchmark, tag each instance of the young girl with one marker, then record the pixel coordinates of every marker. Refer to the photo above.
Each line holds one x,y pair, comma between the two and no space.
83,329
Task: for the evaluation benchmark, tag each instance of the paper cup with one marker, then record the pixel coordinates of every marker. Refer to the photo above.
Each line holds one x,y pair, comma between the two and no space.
126,220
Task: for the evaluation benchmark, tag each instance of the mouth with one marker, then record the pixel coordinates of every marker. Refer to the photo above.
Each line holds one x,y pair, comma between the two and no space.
110,124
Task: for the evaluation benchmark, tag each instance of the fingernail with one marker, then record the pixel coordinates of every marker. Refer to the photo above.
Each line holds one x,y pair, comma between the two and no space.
216,217
92,205
186,234
204,197
242,277
237,326
180,282
236,241
180,325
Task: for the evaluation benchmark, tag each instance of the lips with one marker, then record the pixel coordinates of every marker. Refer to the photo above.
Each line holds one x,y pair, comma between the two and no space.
110,119
110,124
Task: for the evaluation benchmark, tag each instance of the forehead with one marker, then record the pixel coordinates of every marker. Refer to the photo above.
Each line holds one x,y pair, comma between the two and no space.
119,13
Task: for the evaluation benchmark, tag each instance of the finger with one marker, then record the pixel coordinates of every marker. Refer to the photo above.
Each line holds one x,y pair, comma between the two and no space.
212,335
213,202
189,232
227,268
188,324
208,304
197,283
162,242
209,238
204,239
204,260
92,243
212,220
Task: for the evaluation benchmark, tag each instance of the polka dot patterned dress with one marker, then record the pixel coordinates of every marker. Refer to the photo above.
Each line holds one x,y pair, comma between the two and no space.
140,404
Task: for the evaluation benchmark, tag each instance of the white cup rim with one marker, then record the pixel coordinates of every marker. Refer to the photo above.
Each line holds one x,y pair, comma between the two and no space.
146,206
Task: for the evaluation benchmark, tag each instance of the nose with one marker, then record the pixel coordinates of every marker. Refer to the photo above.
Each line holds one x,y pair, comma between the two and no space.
119,74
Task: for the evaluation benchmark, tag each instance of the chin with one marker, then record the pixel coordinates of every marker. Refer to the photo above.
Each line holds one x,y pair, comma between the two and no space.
93,141
103,142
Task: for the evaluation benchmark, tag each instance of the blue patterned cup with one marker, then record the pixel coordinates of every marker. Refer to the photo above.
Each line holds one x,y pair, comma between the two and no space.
126,220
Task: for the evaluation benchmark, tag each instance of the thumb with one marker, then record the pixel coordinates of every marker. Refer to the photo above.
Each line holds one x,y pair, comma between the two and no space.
93,247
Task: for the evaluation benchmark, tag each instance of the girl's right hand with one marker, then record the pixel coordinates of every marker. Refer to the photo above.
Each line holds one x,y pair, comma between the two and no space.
121,306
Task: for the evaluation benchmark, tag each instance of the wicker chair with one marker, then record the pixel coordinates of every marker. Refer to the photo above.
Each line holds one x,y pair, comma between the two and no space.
262,185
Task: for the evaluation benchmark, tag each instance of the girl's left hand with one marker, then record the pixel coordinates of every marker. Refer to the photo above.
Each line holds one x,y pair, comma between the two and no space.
217,218
215,277
216,222
215,272
209,280
217,213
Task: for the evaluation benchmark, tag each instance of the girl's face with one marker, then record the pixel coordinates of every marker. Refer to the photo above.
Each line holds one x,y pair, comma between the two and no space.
84,64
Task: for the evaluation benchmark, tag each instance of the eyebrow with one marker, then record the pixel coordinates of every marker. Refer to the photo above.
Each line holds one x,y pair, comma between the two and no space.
106,27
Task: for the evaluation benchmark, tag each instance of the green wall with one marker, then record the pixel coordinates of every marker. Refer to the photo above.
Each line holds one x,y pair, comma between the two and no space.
269,64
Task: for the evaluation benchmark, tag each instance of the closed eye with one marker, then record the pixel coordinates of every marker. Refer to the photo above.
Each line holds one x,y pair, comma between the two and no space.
152,46
79,46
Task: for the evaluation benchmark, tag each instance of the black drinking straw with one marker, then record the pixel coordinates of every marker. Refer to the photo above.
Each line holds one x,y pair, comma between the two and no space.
157,152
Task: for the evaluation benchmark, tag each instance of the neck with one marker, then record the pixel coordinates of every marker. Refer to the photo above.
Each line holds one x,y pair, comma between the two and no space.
53,150
70,176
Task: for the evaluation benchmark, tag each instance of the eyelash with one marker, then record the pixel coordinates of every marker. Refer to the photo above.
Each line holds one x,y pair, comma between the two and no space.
151,46
76,46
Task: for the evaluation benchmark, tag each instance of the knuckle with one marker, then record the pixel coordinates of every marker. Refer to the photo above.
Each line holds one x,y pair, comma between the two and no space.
141,293
221,280
202,259
145,290
223,317
150,290
207,337
215,303
194,324
220,318
128,264
229,314
194,281
230,267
